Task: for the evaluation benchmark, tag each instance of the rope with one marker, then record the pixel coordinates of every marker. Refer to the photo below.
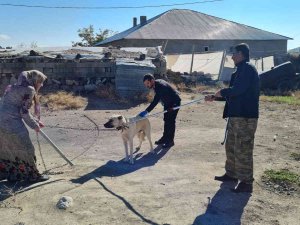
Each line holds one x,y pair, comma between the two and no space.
98,129
93,123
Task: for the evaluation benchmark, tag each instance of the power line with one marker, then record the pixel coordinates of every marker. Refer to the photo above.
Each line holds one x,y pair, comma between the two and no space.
107,7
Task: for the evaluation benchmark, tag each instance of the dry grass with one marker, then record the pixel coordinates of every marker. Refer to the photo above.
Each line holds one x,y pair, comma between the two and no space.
291,98
150,96
63,101
141,97
296,94
181,87
199,88
203,88
106,92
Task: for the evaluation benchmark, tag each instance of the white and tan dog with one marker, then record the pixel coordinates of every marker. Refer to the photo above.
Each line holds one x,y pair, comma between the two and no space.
129,128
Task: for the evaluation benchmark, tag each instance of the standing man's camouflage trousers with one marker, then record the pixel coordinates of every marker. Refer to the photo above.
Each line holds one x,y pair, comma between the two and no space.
239,148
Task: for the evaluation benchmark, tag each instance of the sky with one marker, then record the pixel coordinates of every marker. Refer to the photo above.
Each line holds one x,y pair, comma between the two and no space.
53,27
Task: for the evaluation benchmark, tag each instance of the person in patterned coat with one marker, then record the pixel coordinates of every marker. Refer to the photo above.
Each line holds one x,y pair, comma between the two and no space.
17,153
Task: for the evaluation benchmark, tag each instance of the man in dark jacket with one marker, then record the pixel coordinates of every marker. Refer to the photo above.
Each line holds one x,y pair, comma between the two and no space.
169,98
241,109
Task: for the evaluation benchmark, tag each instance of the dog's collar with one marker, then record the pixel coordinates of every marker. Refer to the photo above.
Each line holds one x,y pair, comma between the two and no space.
124,127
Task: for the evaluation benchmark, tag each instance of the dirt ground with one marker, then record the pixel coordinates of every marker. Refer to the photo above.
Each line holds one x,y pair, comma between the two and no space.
173,186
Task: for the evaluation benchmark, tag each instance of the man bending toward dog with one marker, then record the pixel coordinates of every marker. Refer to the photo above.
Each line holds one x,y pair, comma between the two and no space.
169,98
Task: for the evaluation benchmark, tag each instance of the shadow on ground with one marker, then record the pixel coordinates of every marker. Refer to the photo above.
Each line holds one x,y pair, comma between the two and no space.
126,203
226,207
119,168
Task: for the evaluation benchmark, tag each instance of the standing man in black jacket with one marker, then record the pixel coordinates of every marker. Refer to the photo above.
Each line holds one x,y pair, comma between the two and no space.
241,109
169,98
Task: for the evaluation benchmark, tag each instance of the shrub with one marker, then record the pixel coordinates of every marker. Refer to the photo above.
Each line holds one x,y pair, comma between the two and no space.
63,100
106,91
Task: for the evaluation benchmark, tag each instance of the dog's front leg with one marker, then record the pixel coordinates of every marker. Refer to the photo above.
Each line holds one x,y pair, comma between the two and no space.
131,150
126,150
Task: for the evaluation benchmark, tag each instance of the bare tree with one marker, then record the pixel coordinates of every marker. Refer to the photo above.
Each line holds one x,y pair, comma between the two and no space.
21,45
33,44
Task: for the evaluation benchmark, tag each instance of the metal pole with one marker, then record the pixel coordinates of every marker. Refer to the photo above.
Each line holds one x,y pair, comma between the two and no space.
174,108
55,147
222,64
192,62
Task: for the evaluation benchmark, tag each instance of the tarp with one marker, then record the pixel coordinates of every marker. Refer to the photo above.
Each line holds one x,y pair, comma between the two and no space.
208,63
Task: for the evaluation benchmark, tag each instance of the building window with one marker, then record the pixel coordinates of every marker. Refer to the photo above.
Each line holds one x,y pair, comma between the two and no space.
206,48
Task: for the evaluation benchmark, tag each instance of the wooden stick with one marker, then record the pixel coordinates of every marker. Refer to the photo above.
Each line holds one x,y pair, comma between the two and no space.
55,147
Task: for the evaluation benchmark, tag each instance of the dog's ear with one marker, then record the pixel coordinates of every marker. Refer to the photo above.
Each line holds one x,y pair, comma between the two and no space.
120,117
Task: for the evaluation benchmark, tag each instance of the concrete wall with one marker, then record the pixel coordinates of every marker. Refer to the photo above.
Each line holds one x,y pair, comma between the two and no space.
129,78
257,48
60,72
83,74
68,69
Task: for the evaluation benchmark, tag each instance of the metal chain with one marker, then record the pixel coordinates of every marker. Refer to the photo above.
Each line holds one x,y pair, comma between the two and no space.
73,128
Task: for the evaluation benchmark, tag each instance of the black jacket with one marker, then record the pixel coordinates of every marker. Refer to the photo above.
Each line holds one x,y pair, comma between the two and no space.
242,96
166,94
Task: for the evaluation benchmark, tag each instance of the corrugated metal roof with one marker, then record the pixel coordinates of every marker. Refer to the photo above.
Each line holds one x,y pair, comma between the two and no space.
178,24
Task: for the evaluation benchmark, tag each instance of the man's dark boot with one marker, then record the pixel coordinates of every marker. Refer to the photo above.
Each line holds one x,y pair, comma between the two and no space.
160,141
168,144
225,177
243,187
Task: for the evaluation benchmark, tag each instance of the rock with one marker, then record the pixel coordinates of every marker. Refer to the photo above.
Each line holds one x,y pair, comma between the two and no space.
64,202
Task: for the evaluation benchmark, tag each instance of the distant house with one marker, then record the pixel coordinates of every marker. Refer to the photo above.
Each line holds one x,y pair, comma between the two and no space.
180,31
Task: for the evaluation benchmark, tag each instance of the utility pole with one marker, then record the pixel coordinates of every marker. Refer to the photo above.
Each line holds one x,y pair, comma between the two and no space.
222,64
192,62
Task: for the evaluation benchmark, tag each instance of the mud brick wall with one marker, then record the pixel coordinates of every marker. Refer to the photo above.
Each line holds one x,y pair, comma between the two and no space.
62,72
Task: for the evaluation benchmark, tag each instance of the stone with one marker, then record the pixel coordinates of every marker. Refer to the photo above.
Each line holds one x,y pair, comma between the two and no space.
64,202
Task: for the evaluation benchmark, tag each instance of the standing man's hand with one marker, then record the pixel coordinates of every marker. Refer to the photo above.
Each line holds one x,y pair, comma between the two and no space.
209,98
218,94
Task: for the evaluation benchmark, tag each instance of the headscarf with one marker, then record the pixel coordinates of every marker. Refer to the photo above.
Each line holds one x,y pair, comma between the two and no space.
31,78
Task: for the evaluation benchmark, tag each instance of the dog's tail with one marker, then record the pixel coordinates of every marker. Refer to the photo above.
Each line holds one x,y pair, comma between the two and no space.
141,135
